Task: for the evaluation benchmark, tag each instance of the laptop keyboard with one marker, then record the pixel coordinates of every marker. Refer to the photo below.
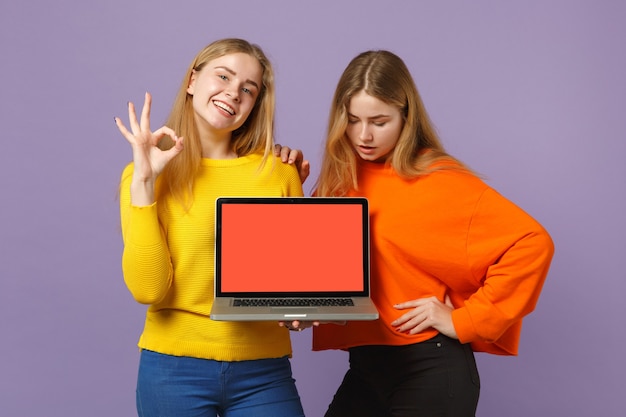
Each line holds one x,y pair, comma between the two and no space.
292,302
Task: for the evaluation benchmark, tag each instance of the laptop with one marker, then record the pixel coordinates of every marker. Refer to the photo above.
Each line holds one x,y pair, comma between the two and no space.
292,258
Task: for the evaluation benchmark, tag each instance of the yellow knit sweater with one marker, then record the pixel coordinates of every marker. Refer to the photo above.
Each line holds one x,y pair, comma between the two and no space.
168,263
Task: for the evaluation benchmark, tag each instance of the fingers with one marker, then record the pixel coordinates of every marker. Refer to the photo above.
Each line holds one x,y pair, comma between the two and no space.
163,131
278,151
298,326
412,324
413,303
283,152
286,154
137,126
294,157
145,112
424,313
415,321
293,326
303,170
174,150
123,130
401,323
132,119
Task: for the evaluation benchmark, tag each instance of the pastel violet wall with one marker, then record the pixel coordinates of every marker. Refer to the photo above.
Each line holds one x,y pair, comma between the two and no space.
531,94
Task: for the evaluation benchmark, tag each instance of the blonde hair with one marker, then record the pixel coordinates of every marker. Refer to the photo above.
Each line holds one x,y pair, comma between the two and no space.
254,136
383,75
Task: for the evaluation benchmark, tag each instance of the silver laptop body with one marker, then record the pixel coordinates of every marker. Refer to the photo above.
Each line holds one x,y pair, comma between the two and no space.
292,258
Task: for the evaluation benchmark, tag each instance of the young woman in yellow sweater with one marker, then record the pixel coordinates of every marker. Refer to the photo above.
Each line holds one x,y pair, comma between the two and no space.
217,141
455,265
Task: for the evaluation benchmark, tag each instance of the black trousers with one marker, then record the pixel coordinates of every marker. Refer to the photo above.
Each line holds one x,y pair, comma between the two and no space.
435,378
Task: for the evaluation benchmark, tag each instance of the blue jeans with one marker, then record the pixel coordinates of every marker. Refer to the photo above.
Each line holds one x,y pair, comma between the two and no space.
171,386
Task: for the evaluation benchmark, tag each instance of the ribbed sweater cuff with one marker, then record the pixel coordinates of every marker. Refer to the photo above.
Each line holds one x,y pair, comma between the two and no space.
146,229
463,325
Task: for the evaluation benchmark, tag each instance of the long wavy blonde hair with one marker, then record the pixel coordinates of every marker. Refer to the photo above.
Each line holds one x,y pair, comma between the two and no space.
254,136
383,75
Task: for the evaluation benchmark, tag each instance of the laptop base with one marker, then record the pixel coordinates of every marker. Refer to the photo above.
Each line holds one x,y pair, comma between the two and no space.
363,309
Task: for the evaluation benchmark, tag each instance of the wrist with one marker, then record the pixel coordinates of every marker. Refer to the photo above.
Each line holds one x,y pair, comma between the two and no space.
141,192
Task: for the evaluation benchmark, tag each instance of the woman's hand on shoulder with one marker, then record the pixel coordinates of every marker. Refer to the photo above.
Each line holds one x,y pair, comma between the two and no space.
148,159
424,313
296,157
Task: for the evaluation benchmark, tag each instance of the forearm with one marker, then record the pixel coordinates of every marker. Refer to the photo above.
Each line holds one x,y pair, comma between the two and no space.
141,192
147,272
510,290
146,259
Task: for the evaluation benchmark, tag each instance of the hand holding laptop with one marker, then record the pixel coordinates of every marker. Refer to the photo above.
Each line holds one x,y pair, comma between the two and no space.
298,326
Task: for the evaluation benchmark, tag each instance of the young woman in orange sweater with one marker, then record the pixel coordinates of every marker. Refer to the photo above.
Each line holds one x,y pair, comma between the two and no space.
455,265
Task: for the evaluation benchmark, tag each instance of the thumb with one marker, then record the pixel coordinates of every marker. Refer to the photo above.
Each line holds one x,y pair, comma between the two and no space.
176,149
448,302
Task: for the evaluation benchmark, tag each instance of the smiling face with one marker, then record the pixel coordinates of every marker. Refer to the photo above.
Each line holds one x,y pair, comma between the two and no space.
373,127
224,93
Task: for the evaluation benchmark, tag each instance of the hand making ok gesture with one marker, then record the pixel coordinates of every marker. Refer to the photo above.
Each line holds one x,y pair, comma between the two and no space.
149,160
